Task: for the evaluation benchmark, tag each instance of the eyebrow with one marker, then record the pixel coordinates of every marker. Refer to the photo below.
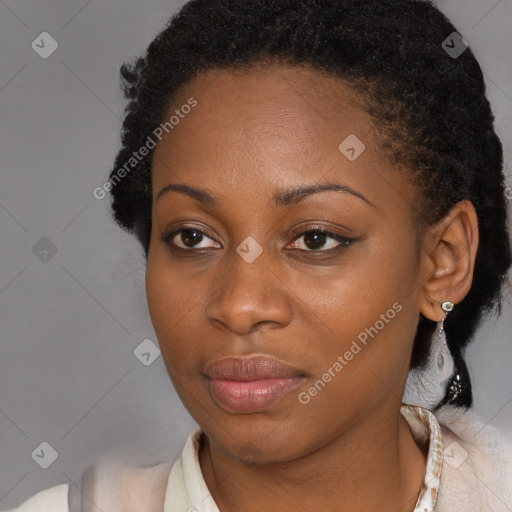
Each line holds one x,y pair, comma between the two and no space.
296,194
281,198
198,194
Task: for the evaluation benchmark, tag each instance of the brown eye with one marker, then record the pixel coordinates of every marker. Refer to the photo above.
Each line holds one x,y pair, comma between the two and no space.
320,240
189,238
315,240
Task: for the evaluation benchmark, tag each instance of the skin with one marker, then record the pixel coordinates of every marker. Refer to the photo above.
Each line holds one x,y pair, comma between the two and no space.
255,132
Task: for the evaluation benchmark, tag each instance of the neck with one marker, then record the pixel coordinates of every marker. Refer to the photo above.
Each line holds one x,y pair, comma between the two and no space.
375,466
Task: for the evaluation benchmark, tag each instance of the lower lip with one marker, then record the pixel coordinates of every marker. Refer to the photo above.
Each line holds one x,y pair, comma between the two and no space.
251,396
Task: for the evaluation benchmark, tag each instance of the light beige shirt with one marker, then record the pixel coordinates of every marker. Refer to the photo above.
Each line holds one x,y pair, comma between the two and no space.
468,469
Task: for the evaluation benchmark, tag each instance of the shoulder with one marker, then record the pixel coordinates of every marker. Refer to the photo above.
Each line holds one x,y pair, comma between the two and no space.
477,464
54,499
120,487
112,486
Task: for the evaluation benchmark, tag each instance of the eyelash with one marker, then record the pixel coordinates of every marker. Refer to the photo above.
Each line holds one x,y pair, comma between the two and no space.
343,241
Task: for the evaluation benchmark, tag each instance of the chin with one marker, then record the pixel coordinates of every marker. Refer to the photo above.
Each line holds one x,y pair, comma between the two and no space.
256,441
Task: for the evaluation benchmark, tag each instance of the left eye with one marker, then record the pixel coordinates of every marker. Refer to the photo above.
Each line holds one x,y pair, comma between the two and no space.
316,239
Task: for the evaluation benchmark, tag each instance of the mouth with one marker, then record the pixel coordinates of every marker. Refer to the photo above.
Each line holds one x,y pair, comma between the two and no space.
250,385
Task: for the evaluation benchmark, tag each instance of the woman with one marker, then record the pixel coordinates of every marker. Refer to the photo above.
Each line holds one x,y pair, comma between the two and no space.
318,189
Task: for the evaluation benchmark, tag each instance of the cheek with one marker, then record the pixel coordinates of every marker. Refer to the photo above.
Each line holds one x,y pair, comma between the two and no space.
170,293
366,314
161,295
359,331
371,332
370,280
176,303
170,304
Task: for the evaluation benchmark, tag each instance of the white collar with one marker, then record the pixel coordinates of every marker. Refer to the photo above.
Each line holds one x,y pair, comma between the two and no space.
187,490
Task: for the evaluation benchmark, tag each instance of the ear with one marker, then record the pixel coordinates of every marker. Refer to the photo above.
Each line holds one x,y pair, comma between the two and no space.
448,260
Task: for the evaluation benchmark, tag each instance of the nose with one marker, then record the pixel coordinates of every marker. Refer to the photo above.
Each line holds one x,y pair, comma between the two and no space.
249,296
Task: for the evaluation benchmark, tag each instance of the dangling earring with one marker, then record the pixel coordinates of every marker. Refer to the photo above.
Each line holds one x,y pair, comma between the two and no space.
455,388
426,386
456,384
447,307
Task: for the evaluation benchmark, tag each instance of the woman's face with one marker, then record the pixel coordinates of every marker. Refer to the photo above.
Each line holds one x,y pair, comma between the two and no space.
277,337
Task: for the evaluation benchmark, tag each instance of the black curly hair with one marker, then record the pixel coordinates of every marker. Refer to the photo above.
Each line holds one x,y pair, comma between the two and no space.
430,110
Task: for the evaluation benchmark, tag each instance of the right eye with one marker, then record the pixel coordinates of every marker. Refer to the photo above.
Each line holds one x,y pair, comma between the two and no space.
188,239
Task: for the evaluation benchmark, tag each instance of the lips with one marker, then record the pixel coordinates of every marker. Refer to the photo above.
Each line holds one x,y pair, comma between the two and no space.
249,385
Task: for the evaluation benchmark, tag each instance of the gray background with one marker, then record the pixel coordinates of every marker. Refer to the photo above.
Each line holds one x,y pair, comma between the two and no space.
69,326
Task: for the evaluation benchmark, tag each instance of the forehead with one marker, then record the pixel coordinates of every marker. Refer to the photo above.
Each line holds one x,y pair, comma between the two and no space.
263,113
263,83
271,127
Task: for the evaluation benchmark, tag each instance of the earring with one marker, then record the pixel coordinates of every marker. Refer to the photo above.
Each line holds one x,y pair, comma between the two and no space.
427,386
456,384
455,388
447,307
